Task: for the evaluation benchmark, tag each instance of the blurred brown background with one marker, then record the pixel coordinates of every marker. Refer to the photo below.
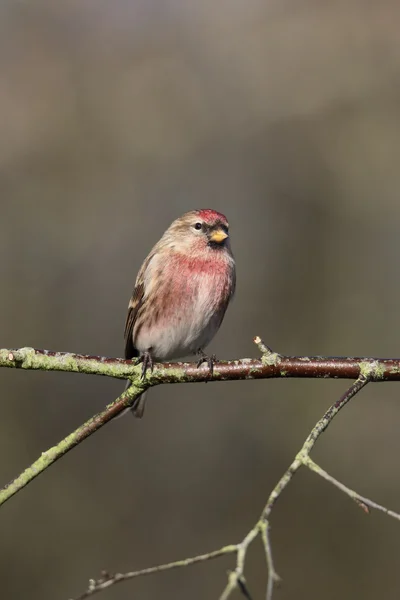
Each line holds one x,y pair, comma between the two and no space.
115,118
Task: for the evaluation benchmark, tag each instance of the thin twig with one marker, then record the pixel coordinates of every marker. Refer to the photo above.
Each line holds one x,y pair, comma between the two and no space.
362,501
300,460
270,365
262,525
273,576
236,578
107,580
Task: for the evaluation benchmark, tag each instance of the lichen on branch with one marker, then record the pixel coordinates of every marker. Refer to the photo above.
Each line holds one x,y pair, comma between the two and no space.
270,365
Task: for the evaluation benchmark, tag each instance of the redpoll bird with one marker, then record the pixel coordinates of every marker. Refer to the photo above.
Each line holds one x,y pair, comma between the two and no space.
181,292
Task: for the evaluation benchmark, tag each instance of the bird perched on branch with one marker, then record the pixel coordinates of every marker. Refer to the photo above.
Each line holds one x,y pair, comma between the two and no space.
181,292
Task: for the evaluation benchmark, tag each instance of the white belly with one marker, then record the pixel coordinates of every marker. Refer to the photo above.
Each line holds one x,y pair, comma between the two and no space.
186,331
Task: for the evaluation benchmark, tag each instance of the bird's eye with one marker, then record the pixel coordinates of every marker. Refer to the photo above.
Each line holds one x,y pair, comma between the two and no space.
197,226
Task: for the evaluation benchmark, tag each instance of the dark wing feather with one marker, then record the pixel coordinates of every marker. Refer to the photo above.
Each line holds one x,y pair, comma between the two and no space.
134,304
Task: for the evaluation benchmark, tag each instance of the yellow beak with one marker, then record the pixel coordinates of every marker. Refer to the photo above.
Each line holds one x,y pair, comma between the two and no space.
218,236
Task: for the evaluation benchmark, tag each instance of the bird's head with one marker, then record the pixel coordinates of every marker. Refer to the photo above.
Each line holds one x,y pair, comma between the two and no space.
202,230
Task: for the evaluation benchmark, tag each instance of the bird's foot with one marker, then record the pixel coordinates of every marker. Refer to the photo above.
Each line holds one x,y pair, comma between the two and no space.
147,363
210,360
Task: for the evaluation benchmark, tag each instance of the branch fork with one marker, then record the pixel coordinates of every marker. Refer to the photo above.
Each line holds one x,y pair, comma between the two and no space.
271,364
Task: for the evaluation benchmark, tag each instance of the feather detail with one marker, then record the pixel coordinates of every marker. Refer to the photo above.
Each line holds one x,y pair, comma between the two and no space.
183,304
134,306
182,290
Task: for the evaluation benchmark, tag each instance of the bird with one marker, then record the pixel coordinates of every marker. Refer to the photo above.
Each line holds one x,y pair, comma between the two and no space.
181,293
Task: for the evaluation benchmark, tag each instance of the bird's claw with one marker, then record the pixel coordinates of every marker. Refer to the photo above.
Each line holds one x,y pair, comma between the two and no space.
147,363
210,360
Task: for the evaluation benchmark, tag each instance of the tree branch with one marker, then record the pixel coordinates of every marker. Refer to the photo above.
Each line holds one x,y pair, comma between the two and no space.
108,580
270,365
236,578
50,456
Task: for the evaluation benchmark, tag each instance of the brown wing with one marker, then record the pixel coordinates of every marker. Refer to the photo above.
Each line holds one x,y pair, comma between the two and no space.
134,304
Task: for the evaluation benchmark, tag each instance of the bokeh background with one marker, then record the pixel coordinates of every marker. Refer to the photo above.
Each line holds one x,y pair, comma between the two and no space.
115,118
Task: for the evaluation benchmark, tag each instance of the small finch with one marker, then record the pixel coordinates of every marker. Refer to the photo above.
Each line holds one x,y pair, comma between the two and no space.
181,292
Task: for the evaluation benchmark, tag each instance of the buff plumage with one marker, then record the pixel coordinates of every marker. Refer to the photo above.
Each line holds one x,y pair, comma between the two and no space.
182,291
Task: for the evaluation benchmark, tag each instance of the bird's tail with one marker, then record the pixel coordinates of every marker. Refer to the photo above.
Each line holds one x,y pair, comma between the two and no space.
137,408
